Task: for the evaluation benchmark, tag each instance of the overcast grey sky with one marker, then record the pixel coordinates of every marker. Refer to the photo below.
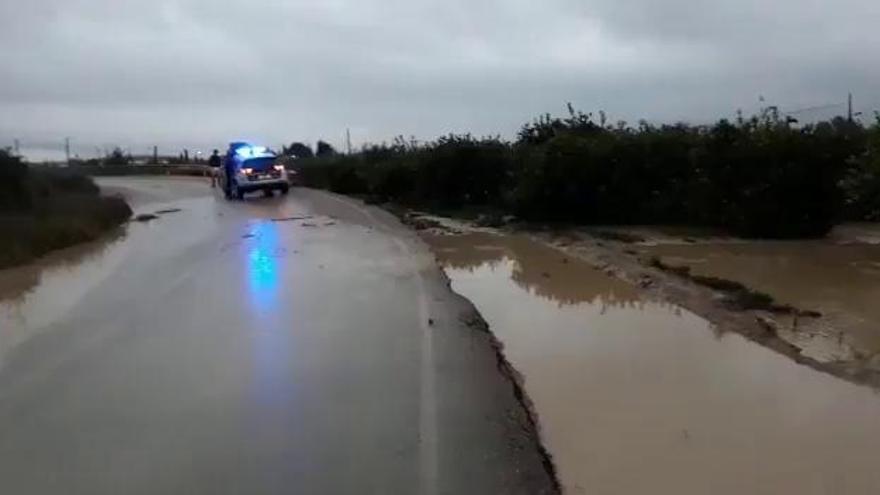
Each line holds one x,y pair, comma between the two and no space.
199,73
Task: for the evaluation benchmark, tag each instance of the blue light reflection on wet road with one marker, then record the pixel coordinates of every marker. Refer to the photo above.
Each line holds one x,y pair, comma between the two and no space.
263,271
270,332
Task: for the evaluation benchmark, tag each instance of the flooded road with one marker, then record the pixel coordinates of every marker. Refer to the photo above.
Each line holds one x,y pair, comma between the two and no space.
301,344
840,280
640,397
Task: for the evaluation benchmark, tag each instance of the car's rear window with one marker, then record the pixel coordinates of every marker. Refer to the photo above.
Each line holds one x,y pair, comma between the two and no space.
264,163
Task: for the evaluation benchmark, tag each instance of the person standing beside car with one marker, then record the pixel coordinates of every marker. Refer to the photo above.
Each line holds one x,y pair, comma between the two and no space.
214,164
229,170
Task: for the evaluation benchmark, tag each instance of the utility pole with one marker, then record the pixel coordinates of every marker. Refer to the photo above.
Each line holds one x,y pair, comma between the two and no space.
849,108
67,149
15,146
155,155
348,139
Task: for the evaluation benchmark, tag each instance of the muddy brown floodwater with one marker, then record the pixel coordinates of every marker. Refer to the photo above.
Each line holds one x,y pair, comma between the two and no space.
842,281
636,396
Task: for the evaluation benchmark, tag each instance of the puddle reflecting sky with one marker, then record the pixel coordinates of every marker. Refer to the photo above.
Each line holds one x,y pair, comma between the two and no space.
33,297
637,397
540,270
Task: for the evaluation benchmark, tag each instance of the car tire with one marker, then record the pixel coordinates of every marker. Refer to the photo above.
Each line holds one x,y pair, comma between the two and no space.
239,193
268,193
285,190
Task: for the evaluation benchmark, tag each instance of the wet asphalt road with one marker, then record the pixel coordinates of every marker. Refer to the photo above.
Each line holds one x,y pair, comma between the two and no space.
214,350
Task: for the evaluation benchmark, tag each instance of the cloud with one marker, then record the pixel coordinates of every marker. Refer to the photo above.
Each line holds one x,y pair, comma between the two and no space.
200,72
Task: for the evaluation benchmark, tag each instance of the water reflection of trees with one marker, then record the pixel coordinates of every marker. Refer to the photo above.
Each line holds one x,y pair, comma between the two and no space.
17,282
539,269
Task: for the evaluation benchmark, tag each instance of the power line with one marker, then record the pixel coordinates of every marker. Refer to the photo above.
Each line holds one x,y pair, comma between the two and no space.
811,109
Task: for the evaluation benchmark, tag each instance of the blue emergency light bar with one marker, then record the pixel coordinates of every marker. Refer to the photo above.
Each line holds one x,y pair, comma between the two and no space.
253,151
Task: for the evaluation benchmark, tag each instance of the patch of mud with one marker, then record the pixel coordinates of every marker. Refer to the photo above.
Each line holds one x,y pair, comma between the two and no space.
839,281
637,396
166,211
658,235
618,235
308,221
737,296
292,219
434,224
864,233
144,217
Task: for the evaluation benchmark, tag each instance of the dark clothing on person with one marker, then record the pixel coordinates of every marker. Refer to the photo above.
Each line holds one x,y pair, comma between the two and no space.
228,165
214,164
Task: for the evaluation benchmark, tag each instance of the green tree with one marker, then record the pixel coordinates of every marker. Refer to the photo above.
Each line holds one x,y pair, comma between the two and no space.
299,150
324,149
14,193
117,157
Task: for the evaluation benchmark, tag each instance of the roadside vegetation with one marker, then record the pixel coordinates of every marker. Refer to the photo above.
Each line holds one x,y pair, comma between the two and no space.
763,176
43,209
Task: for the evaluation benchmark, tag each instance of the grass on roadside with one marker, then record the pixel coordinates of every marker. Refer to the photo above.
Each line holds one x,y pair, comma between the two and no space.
44,209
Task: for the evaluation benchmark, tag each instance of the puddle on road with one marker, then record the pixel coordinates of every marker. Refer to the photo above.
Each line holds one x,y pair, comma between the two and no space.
839,280
640,397
549,274
34,296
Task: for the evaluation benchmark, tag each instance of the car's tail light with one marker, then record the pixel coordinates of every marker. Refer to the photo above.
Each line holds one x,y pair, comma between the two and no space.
247,171
279,167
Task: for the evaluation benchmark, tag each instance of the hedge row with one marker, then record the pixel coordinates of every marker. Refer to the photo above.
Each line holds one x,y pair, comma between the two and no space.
758,177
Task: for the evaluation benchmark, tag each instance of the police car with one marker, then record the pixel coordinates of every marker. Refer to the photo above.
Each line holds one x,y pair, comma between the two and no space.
254,168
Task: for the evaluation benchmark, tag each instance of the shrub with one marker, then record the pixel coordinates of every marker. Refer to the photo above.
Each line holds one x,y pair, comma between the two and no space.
456,171
338,173
324,149
759,177
42,209
861,185
14,191
763,178
119,157
298,150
